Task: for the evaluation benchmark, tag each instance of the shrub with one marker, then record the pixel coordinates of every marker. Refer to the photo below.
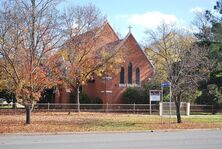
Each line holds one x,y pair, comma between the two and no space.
152,85
85,99
135,95
72,97
97,100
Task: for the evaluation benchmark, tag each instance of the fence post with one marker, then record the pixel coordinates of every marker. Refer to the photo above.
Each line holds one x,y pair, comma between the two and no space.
161,111
48,106
188,109
134,108
150,107
161,108
107,107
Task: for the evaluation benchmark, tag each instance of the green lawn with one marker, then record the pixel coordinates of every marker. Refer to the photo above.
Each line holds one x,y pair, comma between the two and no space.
5,107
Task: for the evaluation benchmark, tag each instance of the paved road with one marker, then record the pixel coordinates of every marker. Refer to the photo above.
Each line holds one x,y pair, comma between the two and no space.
207,139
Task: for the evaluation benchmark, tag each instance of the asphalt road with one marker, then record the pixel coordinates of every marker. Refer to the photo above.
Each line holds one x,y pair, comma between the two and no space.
195,139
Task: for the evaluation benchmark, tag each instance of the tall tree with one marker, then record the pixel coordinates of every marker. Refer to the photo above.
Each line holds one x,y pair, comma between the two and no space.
203,28
210,90
178,60
30,35
82,53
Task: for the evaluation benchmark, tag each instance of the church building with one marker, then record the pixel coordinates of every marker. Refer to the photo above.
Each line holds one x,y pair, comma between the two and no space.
133,72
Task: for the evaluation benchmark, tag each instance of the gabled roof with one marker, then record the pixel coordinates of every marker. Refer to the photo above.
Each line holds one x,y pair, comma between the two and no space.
96,30
107,25
95,33
125,39
130,34
113,44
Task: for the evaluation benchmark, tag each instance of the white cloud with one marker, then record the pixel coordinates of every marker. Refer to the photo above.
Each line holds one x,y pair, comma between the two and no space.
196,10
151,19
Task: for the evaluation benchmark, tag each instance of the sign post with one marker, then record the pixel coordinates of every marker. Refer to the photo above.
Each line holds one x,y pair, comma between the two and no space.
168,84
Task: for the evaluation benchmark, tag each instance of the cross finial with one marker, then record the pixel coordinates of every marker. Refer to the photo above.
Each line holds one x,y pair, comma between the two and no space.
130,27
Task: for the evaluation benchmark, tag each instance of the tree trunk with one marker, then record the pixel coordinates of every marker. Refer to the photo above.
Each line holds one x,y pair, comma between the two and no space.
13,103
177,103
28,114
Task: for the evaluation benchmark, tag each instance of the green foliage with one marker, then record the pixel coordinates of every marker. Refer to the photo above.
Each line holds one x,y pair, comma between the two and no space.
97,100
216,93
211,90
215,47
47,95
135,95
85,99
166,97
72,97
153,85
9,96
191,96
217,31
206,98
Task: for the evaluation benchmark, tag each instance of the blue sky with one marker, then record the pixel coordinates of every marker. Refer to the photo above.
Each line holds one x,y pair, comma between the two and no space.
143,14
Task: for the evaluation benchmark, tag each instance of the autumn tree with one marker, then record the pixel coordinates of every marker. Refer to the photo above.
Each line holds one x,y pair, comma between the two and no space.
83,55
29,37
177,59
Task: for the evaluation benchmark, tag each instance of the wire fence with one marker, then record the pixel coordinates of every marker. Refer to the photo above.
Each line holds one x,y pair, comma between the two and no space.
125,108
205,109
120,108
57,107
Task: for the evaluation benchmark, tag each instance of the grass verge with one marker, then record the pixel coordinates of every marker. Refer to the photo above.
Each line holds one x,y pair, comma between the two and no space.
54,122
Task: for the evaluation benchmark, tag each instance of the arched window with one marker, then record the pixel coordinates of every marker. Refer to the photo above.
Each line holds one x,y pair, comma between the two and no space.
137,75
121,79
130,73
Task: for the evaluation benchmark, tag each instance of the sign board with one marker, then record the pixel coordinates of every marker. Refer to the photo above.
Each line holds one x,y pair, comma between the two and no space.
165,84
154,95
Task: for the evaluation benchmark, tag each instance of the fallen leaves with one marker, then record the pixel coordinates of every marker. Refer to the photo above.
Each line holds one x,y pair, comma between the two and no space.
53,122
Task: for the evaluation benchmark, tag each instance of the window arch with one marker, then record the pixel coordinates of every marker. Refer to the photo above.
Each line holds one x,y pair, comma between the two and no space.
137,75
130,73
121,79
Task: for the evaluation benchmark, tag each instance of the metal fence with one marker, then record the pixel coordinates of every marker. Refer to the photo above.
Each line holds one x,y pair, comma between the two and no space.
127,108
205,109
121,108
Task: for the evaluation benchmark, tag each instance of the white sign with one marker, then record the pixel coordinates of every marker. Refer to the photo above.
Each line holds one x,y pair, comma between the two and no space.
155,97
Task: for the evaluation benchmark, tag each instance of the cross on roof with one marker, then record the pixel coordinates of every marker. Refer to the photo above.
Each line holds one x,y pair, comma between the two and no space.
130,27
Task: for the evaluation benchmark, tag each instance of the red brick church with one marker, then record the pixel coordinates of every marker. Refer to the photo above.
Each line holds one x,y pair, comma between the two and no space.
135,70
